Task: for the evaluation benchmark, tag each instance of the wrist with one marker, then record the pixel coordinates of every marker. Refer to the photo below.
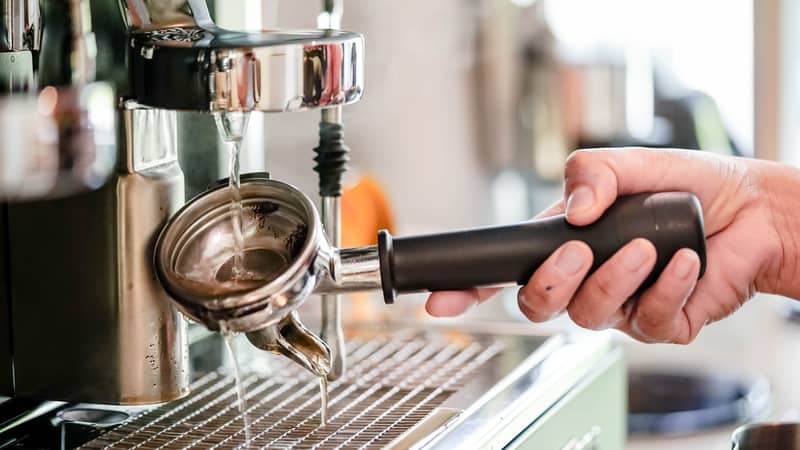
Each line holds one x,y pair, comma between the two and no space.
778,193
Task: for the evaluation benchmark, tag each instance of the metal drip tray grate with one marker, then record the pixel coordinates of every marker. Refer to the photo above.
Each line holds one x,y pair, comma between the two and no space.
391,386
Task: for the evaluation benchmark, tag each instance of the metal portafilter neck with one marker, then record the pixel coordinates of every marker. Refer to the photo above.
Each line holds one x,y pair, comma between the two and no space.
284,249
285,246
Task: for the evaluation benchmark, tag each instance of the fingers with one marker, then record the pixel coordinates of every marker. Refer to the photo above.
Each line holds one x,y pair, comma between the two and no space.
724,287
551,287
556,208
659,315
454,303
599,300
594,178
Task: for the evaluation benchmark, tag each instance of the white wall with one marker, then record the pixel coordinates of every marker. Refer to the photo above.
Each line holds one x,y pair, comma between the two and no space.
414,128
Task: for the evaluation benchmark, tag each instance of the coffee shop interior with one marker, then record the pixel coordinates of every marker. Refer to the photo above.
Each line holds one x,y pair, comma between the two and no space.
155,155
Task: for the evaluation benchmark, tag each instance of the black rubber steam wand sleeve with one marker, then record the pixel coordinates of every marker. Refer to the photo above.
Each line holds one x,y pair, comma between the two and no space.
510,254
332,157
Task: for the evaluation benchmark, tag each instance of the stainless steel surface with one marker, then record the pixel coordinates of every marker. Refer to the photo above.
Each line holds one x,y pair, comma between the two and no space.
159,15
354,269
101,313
83,46
291,339
400,380
58,142
765,436
269,72
331,332
20,25
92,417
284,244
97,248
152,333
6,367
283,241
331,16
57,135
508,407
331,304
332,115
16,73
30,413
181,60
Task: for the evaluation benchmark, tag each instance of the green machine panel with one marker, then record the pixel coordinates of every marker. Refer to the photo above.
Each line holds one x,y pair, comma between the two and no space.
590,417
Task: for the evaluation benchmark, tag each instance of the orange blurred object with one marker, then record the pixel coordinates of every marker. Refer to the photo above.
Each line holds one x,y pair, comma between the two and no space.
365,211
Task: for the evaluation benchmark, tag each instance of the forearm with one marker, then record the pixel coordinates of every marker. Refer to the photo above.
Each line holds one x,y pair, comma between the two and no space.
778,188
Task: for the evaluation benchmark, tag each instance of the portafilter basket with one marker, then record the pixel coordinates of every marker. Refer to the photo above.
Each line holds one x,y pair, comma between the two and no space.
282,240
290,258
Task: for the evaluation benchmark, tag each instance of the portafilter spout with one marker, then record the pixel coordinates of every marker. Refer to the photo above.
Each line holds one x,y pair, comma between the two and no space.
291,339
284,243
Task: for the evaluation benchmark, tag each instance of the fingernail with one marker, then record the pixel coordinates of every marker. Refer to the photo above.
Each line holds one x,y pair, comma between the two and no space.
634,257
570,260
581,199
684,265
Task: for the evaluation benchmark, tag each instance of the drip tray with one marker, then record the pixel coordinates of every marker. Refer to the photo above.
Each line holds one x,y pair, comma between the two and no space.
395,388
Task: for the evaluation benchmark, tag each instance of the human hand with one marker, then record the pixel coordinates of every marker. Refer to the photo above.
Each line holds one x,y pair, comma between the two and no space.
747,250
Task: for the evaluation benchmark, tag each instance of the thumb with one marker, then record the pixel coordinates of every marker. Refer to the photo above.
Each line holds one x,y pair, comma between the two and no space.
595,178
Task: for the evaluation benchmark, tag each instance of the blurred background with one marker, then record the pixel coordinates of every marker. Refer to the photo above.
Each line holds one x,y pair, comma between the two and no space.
471,109
472,106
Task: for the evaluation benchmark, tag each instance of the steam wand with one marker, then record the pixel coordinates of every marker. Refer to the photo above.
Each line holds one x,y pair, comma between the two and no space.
331,163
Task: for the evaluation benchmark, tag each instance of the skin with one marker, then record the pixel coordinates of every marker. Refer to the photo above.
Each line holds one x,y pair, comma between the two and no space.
751,210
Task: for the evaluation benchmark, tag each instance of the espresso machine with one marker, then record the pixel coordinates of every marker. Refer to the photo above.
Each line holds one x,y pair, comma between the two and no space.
92,345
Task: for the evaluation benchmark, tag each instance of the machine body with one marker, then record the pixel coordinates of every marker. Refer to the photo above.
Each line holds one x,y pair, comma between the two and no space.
81,290
79,281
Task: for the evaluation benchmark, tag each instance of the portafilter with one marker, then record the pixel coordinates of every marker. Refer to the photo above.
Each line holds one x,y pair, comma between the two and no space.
287,256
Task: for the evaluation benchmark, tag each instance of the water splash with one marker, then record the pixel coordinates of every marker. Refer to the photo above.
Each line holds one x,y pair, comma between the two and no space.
232,127
242,402
323,392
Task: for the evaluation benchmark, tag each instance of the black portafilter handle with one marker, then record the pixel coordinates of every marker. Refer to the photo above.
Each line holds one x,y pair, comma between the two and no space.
505,254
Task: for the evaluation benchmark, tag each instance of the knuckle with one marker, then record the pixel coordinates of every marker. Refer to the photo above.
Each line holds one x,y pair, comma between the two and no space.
604,284
616,319
577,160
687,336
582,318
649,322
652,331
653,320
668,332
683,340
